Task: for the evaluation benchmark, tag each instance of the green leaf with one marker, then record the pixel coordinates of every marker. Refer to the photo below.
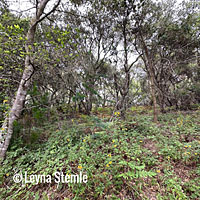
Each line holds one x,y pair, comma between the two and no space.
17,26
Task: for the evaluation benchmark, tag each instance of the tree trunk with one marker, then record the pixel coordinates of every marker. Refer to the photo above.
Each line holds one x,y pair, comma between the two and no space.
17,107
149,66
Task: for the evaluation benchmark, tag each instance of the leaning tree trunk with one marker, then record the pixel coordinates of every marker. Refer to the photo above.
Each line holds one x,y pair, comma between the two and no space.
18,103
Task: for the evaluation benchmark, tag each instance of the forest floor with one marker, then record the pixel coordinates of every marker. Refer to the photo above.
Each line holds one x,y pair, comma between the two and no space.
132,159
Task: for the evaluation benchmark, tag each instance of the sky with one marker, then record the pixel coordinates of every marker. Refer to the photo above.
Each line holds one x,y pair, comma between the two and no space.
23,5
19,5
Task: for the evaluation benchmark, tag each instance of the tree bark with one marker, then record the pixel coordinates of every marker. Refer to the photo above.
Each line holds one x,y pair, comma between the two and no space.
7,129
149,66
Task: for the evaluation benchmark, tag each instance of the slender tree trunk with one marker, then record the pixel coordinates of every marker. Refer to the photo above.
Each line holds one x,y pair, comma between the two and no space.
153,93
124,88
18,103
149,66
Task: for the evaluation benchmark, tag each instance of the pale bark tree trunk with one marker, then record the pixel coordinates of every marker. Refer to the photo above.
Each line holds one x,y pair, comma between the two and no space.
149,66
18,103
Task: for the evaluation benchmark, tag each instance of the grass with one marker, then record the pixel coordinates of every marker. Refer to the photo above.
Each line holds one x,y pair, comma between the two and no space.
133,159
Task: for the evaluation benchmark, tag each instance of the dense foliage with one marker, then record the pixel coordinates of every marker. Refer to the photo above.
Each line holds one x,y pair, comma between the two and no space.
79,83
133,159
97,57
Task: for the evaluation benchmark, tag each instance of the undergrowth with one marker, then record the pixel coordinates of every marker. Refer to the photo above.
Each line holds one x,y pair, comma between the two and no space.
133,159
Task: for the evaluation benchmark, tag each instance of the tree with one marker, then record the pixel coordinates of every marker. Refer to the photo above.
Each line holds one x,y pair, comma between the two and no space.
172,46
123,53
18,103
